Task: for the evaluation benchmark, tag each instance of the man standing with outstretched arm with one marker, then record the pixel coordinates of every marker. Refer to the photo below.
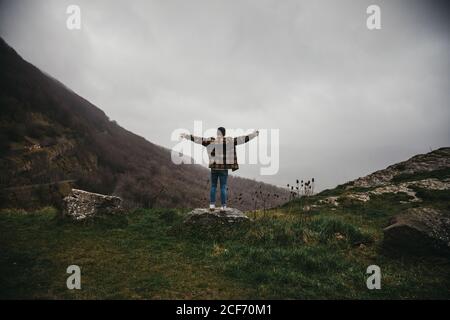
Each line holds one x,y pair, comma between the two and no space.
222,157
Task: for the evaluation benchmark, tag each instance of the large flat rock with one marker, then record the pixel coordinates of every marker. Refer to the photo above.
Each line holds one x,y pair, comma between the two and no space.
202,216
80,204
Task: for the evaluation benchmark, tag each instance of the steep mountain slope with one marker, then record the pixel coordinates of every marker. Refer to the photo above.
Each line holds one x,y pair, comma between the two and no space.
48,133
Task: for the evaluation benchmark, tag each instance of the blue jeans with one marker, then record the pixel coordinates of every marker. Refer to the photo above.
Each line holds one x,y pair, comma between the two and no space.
221,175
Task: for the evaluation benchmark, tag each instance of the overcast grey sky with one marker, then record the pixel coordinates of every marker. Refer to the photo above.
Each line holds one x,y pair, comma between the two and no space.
347,100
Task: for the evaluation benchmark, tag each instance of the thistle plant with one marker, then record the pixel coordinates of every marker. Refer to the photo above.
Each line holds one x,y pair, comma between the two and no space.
303,188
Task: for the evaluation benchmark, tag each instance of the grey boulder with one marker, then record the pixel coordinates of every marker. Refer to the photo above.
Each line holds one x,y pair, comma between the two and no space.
206,217
420,231
81,204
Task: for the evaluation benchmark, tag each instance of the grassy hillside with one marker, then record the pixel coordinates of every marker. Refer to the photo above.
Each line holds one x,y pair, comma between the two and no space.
285,253
313,247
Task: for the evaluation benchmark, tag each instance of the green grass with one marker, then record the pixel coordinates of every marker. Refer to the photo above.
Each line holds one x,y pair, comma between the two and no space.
440,174
131,257
149,254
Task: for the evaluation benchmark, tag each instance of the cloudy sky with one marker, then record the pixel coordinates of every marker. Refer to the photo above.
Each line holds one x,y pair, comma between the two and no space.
346,100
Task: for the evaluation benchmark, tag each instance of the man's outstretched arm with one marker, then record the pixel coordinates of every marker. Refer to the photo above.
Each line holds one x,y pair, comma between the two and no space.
246,138
195,139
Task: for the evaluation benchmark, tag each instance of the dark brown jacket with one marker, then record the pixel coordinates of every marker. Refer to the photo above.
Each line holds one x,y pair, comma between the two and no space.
222,150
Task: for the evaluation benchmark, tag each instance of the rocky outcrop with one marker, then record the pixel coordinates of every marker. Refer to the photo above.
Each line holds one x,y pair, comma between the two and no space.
82,204
425,171
330,201
435,160
404,187
206,217
419,231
